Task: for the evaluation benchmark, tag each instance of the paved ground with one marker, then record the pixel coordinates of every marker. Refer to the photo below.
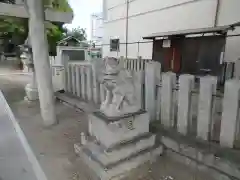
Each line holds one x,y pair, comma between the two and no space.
14,162
53,146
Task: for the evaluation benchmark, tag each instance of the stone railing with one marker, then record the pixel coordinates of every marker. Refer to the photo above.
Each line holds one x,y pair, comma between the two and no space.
135,64
181,105
200,111
197,122
80,81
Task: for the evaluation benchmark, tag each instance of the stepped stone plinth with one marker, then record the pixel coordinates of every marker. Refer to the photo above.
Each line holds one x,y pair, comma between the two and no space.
118,141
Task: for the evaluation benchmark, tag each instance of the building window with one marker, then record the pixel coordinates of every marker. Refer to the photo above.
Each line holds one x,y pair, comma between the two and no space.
114,45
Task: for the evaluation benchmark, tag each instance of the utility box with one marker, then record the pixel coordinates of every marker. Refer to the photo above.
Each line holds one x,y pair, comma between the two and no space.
58,73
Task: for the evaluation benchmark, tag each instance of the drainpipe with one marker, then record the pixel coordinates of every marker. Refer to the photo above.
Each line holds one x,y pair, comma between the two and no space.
217,13
127,29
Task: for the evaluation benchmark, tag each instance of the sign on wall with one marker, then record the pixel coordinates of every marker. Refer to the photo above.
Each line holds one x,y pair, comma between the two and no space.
114,45
166,43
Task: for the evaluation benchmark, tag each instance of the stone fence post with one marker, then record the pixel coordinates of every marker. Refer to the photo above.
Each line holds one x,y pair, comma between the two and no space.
78,85
168,84
184,103
69,73
208,86
89,78
139,59
73,76
153,71
83,82
230,115
65,60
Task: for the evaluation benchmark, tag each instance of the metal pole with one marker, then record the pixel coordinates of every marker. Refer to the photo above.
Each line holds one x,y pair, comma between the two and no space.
217,13
127,29
137,48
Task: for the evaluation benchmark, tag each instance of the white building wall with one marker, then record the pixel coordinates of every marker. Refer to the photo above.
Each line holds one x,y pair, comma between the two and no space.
229,13
165,15
97,28
113,3
114,30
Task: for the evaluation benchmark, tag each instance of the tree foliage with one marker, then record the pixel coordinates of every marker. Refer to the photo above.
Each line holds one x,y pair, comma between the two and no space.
8,1
78,33
61,5
54,34
11,27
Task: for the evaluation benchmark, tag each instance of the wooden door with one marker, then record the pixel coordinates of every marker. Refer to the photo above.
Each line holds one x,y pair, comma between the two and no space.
169,57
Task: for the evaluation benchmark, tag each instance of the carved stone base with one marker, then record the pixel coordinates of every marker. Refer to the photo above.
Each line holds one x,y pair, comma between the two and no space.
94,159
31,92
26,69
118,144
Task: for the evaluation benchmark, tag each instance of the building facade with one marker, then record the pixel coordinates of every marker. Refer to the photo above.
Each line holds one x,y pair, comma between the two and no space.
128,21
97,28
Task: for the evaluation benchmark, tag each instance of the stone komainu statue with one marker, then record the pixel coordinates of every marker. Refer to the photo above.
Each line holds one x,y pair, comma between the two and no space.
121,90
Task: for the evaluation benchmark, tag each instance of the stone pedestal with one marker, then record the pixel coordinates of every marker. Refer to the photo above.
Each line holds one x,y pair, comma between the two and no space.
28,66
31,89
118,144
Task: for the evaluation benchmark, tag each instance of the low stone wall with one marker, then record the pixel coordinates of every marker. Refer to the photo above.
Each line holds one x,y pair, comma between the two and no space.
222,163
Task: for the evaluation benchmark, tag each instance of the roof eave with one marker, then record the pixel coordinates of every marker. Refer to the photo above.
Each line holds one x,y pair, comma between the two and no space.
222,30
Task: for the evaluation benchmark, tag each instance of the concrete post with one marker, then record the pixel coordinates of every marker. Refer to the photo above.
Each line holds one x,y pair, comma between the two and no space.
31,88
138,63
158,102
89,83
139,87
69,81
142,64
73,77
125,63
64,59
41,61
208,86
237,69
78,86
102,93
168,84
96,86
128,64
134,64
121,62
186,82
158,90
152,74
230,118
83,82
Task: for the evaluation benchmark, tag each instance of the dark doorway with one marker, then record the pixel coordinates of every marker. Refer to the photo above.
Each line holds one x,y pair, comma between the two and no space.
193,55
169,57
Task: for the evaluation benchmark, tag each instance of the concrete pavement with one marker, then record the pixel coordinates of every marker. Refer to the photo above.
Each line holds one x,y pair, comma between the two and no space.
17,161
